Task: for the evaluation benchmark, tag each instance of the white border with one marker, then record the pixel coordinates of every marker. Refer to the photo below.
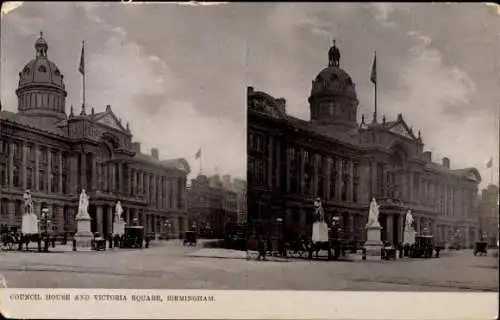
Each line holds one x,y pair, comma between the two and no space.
253,305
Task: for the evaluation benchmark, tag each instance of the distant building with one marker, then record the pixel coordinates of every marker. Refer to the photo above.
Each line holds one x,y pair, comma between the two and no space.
213,202
292,161
56,155
489,214
240,187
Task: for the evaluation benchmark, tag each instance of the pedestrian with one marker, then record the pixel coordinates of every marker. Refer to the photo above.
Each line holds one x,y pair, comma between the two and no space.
261,249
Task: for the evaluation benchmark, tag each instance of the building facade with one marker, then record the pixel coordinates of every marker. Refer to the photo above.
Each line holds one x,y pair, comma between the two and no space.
292,161
56,155
489,214
212,203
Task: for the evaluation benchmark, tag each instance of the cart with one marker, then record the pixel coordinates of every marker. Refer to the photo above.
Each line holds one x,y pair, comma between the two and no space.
481,248
133,237
190,238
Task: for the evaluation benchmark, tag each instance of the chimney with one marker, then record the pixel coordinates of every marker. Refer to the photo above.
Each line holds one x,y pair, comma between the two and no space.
155,154
249,90
428,156
446,162
281,103
136,146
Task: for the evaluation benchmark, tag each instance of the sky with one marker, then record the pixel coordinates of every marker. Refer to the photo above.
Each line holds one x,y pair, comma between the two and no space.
178,73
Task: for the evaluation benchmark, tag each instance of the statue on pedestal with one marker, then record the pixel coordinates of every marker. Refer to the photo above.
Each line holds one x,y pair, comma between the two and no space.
409,232
29,223
83,234
320,228
118,211
373,214
119,223
373,244
83,206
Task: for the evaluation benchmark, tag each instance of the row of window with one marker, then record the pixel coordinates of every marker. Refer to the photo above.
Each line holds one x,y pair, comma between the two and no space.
49,101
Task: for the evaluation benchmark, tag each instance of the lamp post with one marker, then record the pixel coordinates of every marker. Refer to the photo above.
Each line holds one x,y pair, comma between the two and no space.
168,225
45,221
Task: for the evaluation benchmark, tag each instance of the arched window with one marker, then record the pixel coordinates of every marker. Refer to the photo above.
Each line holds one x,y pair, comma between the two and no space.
42,69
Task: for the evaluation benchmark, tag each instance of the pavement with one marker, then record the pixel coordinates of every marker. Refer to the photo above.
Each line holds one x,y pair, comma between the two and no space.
170,265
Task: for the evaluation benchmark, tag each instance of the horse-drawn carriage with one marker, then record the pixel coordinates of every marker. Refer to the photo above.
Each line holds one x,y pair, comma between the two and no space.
423,247
481,247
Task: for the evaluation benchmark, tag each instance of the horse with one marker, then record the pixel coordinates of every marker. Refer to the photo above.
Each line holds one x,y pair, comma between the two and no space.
33,237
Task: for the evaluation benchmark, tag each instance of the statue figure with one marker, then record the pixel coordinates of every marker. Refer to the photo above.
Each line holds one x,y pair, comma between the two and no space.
83,206
409,220
29,221
318,210
333,56
28,202
373,214
319,227
118,211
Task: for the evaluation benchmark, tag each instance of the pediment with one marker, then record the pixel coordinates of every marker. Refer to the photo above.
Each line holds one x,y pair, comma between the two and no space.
109,120
402,129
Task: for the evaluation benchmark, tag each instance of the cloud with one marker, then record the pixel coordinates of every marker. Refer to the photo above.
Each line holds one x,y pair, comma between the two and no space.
151,79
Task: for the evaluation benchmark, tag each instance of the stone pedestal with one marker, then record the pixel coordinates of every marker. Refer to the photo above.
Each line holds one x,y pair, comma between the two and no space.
373,244
83,234
119,227
409,236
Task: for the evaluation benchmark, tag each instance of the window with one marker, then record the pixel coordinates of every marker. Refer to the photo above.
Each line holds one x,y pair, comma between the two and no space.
333,177
42,69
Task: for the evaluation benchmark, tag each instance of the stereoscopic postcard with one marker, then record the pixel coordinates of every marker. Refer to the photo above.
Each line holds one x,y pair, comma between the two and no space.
221,160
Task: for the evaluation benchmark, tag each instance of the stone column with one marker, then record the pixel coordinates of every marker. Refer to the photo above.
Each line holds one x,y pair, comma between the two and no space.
83,172
99,219
389,228
95,176
109,218
166,204
174,200
338,181
49,171
373,181
301,182
417,224
270,162
287,170
146,187
278,165
36,150
119,188
350,181
11,164
155,191
401,222
24,150
328,169
315,177
60,173
412,196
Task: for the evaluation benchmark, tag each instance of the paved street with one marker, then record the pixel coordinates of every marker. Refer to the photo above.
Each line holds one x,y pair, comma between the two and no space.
172,266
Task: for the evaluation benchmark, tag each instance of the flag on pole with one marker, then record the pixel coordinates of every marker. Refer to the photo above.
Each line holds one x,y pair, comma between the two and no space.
81,68
489,163
373,76
198,154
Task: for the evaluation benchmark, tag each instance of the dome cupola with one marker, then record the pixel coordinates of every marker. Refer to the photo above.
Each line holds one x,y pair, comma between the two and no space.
333,99
41,90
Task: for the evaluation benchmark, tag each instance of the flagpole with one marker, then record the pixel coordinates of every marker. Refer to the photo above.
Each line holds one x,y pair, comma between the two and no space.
375,88
83,76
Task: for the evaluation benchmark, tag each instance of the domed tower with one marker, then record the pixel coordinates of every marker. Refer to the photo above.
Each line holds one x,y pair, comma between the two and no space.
41,90
333,99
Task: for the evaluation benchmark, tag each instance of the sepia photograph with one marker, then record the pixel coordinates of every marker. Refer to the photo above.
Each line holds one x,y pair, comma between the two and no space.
373,144
365,161
122,144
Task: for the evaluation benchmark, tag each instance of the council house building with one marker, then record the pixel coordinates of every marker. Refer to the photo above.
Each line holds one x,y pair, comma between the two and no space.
292,161
56,155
